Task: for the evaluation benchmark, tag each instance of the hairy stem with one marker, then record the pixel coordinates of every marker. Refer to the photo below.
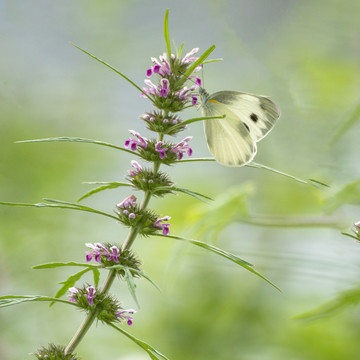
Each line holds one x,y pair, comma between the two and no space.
85,326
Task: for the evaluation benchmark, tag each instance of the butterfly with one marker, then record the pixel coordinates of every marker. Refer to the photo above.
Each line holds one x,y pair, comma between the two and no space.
248,118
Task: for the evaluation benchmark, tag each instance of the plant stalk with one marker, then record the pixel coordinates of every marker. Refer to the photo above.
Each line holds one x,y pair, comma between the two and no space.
85,326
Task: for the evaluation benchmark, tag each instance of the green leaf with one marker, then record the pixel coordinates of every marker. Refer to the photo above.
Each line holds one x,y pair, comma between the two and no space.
74,139
136,271
70,282
260,166
318,184
61,205
222,253
348,194
187,122
196,159
199,61
196,195
180,50
152,352
352,236
18,299
343,301
355,116
166,34
106,186
212,60
53,265
131,284
117,71
96,274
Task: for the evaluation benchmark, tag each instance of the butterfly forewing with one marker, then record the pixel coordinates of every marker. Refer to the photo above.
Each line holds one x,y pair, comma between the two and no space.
258,112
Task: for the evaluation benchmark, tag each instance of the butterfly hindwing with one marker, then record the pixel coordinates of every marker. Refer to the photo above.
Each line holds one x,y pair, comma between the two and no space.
228,139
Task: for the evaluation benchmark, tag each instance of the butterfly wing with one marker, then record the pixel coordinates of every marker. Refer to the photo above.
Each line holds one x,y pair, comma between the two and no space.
259,113
228,139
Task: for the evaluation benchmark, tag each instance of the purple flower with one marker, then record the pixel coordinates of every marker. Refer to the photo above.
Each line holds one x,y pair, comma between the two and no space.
114,254
128,202
142,141
164,89
165,227
160,150
132,216
98,250
137,166
90,295
182,147
73,292
121,316
188,57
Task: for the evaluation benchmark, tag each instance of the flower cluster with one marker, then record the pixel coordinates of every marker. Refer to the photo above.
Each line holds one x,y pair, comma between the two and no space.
146,221
109,309
170,93
110,255
153,150
54,352
157,183
157,121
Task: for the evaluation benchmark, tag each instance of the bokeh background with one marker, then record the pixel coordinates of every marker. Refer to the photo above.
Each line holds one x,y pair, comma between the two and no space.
306,56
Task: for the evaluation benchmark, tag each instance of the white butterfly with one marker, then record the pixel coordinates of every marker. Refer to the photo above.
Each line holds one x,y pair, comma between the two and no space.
232,140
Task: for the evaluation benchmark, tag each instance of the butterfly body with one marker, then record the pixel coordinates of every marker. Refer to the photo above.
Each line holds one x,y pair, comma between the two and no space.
248,118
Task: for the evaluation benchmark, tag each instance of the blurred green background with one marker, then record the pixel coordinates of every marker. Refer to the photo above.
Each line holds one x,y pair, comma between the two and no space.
305,55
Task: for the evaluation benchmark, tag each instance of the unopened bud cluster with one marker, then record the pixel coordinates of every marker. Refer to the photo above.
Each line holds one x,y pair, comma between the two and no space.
157,183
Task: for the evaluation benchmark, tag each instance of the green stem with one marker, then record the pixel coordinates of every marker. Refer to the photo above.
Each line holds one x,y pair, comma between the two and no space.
85,326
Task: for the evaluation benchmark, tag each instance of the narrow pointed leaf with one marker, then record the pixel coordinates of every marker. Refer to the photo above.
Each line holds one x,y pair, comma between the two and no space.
81,140
152,352
222,253
196,195
20,299
96,274
136,271
70,282
212,60
260,166
53,265
166,34
107,186
352,236
199,61
75,206
131,285
202,118
320,185
112,68
344,300
355,116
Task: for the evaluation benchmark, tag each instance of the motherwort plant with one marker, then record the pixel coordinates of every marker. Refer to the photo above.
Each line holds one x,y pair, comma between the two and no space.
171,86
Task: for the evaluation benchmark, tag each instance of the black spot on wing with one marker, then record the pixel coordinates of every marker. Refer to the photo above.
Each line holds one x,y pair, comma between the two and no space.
254,117
246,126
